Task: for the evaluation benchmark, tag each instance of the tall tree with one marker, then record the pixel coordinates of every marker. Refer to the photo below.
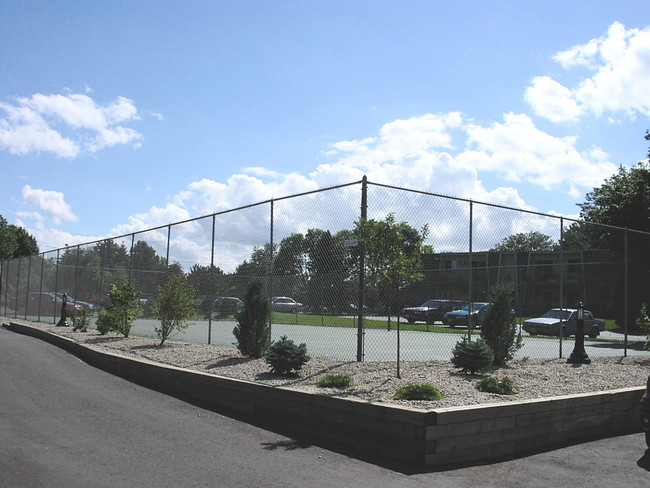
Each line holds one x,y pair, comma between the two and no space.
526,241
393,254
623,201
15,241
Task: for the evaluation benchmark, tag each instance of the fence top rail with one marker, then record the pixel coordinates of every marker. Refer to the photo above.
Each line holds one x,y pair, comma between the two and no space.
344,185
506,207
214,214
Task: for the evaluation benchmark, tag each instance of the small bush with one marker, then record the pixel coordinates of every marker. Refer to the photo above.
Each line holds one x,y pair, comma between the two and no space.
105,321
120,313
472,356
506,386
81,320
335,381
643,321
418,392
284,356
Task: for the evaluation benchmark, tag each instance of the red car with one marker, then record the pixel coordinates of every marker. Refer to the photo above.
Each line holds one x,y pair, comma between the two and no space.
43,303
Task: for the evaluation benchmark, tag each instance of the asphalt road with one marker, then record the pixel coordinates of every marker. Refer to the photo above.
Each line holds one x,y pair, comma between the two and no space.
66,424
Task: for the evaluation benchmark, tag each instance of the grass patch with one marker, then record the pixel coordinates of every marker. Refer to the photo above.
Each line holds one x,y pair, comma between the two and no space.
335,381
505,386
418,392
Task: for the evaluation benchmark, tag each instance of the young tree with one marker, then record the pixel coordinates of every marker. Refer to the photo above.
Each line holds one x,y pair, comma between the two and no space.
122,310
498,327
174,306
252,331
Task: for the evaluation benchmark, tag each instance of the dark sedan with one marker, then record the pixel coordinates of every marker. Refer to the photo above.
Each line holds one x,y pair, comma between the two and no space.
431,311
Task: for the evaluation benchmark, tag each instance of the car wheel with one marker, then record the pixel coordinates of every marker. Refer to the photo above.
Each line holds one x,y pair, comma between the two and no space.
647,438
593,333
410,320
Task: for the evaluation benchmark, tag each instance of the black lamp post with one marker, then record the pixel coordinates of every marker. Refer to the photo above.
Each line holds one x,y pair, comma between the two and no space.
63,322
579,355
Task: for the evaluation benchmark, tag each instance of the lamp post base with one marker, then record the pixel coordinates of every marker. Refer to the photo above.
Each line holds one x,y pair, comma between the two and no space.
579,358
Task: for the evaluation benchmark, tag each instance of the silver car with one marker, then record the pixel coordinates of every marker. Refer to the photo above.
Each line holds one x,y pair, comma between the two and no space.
285,304
564,319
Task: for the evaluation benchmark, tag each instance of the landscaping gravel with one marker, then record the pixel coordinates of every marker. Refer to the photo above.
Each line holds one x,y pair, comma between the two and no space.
378,381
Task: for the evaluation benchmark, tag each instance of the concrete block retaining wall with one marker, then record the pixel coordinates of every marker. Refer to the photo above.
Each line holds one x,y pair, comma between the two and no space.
440,437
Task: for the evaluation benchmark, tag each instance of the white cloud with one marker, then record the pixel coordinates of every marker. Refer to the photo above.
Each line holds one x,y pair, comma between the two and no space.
65,125
50,202
551,100
620,63
521,152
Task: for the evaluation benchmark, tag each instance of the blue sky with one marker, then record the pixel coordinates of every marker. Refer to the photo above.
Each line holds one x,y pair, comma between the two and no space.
117,116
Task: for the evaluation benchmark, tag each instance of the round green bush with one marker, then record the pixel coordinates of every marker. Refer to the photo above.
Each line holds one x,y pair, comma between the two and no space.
285,357
418,392
472,356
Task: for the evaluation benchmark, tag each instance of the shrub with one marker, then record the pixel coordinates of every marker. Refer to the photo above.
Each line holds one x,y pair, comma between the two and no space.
472,356
174,306
498,327
104,322
418,392
81,320
252,331
284,356
643,321
506,386
122,310
335,381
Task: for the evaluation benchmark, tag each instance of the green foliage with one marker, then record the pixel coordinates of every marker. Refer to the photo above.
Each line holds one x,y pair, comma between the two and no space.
81,320
105,321
418,392
526,241
643,321
285,357
15,241
498,327
252,331
505,386
472,356
121,312
174,306
335,381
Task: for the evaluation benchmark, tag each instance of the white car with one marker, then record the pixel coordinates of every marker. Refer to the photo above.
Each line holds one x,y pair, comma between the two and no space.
285,304
550,323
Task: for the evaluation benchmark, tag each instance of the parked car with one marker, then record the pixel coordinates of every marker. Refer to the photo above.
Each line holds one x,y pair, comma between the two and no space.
645,412
550,323
431,311
285,304
224,306
86,305
44,303
461,316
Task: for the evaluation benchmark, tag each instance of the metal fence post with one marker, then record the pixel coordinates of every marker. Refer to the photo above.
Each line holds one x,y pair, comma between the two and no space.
625,288
362,263
212,279
470,267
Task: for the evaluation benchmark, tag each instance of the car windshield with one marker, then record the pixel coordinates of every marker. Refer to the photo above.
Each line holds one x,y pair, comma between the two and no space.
431,303
476,306
557,314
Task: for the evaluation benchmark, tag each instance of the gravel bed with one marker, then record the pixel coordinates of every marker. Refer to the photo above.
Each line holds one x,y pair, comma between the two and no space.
377,381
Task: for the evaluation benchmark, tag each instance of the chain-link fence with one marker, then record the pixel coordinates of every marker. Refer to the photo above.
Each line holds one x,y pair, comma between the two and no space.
350,290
